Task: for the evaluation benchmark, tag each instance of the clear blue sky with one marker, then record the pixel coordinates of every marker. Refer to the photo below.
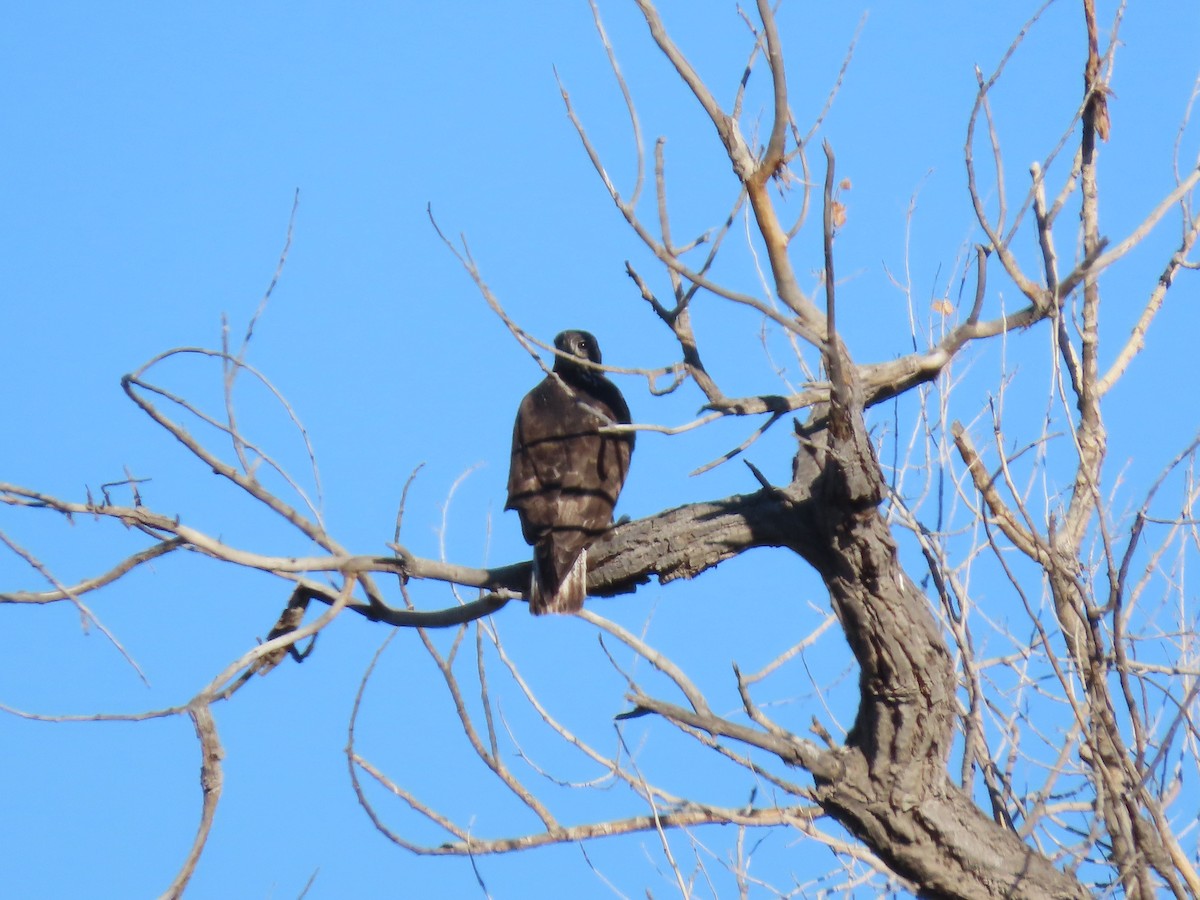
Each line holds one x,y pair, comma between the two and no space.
151,158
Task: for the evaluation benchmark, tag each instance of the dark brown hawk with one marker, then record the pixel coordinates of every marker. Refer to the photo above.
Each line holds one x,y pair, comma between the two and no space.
565,476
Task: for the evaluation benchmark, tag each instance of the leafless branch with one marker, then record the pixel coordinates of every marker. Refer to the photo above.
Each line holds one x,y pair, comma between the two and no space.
90,584
211,781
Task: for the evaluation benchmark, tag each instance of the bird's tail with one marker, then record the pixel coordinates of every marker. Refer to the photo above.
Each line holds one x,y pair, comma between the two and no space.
564,597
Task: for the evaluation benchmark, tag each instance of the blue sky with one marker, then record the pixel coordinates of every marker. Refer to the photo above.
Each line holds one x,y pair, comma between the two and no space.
152,157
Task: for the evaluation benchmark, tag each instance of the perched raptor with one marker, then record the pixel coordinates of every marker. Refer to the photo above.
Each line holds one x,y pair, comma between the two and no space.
565,476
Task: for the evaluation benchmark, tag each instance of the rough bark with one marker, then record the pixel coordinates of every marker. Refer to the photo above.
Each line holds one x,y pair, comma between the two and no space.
890,787
893,790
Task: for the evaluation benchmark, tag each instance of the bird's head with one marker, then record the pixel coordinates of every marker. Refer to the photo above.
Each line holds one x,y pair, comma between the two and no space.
578,344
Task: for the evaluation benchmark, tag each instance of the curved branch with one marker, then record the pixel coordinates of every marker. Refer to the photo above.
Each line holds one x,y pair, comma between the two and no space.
91,584
246,482
239,441
211,782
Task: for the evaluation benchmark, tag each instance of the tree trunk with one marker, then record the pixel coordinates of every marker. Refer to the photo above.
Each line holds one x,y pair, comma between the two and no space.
891,788
893,791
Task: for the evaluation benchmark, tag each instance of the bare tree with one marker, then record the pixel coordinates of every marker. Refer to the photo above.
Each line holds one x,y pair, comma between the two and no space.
1043,760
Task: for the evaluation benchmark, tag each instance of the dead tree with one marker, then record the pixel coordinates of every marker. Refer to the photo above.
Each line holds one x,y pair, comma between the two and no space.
922,681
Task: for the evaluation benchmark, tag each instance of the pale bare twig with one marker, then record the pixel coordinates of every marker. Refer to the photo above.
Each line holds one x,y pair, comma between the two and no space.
230,365
211,782
85,614
90,584
239,439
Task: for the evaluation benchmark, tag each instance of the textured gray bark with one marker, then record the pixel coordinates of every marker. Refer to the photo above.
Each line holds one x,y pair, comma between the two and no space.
889,783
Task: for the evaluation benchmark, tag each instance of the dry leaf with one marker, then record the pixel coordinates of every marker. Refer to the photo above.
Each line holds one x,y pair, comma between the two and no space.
943,306
838,214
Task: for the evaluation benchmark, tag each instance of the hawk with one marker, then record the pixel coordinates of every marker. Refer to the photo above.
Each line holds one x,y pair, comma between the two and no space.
565,475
